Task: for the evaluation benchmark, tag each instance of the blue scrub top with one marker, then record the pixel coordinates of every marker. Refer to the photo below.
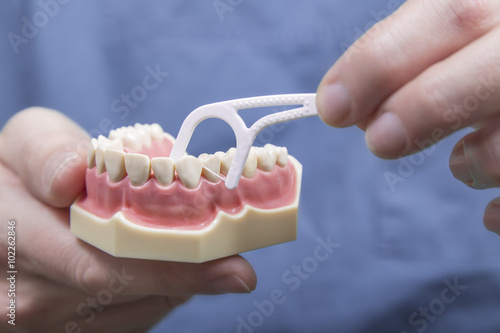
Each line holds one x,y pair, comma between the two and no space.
383,246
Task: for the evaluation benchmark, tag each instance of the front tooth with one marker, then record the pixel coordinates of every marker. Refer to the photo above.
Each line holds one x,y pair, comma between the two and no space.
115,165
99,158
250,167
163,167
225,161
189,171
211,162
282,156
91,153
156,131
266,159
143,134
138,168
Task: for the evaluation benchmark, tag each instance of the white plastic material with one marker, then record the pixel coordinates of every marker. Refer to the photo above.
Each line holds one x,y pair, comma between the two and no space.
228,111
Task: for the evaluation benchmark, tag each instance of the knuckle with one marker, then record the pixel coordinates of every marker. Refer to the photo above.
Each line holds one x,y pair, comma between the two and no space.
434,97
470,14
88,274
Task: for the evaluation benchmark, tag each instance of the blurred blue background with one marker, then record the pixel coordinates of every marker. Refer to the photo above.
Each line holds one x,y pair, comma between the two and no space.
399,245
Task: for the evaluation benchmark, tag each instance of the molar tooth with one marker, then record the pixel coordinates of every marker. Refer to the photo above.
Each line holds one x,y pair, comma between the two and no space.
102,140
131,139
113,134
115,144
163,167
91,153
115,165
226,160
156,131
138,168
250,167
211,162
189,171
143,133
220,154
281,156
266,159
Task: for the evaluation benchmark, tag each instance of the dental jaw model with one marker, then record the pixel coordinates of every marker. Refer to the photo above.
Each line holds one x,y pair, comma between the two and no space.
140,203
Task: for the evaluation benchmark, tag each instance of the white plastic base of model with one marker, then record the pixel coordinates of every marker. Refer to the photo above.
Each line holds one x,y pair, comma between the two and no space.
250,229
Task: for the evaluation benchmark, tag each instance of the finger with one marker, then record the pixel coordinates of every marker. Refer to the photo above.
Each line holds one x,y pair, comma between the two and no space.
475,160
491,217
395,51
457,92
48,152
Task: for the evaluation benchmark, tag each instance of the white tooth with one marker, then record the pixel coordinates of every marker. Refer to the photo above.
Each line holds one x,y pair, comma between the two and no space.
189,171
225,162
156,132
211,162
115,144
113,134
250,167
266,159
91,153
102,140
220,154
115,165
143,134
281,156
163,167
138,168
131,139
99,158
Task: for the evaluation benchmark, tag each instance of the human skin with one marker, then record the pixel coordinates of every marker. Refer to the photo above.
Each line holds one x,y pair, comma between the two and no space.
428,70
42,170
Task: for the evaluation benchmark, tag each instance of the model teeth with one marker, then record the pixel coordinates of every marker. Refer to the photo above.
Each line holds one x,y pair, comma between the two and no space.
107,154
211,162
226,161
189,171
266,159
91,153
138,167
163,168
250,167
281,156
114,162
144,134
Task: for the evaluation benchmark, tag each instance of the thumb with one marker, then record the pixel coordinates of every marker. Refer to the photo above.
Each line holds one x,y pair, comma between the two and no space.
48,152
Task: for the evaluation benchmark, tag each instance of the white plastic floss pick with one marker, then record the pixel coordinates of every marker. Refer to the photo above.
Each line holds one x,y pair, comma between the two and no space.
228,111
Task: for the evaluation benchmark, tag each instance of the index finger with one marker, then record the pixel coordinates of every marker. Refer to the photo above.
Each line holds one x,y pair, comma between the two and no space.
394,52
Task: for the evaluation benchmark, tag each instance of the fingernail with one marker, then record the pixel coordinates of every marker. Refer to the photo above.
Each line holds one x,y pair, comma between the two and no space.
458,164
229,284
386,136
54,167
334,104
